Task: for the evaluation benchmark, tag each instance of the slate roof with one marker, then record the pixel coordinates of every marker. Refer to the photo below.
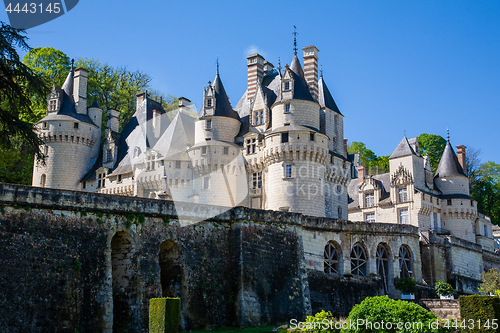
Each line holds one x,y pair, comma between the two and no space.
325,98
353,189
178,137
222,106
403,149
449,165
300,87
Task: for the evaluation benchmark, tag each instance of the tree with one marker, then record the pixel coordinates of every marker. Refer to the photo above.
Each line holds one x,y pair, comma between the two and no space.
375,164
485,189
19,84
491,281
432,145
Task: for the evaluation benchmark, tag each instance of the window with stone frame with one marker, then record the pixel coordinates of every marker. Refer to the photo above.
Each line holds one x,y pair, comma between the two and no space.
203,150
311,136
332,257
403,216
358,260
287,107
369,199
109,155
339,212
284,137
209,102
45,124
251,146
205,183
402,194
226,151
256,180
208,124
405,262
177,164
286,85
258,117
52,105
370,217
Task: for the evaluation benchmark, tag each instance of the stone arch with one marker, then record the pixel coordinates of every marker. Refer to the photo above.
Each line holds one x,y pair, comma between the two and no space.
125,274
359,260
405,261
384,265
172,275
332,258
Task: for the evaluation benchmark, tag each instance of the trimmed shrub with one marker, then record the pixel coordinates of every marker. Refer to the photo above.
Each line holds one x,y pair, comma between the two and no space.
406,285
321,322
481,312
444,289
382,314
164,315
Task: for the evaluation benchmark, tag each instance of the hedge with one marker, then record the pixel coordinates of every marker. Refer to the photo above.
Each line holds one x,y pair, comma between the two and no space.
164,315
480,310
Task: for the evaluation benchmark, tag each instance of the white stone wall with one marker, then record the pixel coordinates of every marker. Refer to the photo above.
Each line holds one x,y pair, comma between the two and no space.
453,185
302,113
223,129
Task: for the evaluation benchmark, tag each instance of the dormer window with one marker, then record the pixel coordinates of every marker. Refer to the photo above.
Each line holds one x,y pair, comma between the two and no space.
402,194
258,117
52,105
208,124
209,102
369,199
286,85
109,155
137,151
251,146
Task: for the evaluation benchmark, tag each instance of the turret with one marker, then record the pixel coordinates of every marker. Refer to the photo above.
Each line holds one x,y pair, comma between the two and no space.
450,177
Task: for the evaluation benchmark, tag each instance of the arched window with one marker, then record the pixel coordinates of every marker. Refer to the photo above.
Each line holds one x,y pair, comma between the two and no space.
358,260
405,262
42,180
332,257
383,265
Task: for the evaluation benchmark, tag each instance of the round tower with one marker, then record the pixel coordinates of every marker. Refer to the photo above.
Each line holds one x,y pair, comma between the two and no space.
70,135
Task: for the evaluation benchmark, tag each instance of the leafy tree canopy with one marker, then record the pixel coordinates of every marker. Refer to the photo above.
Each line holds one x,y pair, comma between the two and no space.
375,164
432,145
53,64
491,281
485,189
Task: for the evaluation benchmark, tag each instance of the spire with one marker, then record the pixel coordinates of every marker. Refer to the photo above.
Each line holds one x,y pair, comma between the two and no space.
279,65
95,105
321,71
449,165
72,64
325,98
222,106
68,83
447,133
217,65
295,33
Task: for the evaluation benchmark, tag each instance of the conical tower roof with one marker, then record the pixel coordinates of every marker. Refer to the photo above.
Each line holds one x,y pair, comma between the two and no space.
300,87
222,106
325,98
403,149
449,165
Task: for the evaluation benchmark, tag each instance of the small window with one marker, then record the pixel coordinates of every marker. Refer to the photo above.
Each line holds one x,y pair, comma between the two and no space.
119,178
42,180
284,137
203,150
46,150
403,216
311,136
52,105
286,85
448,202
287,107
369,199
402,194
177,164
257,180
370,217
209,102
472,203
288,171
209,124
44,124
339,212
226,151
137,151
205,183
84,185
109,155
75,125
485,227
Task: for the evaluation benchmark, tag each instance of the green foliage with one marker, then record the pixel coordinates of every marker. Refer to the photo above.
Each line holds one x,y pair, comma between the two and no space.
375,164
53,64
480,308
485,189
432,145
491,281
77,265
164,315
444,289
406,285
166,220
19,85
319,323
383,309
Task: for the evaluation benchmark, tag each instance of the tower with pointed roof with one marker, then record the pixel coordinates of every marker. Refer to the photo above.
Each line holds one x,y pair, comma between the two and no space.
71,134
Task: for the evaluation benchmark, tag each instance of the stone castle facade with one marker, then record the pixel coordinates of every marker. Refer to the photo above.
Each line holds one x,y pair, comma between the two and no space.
281,148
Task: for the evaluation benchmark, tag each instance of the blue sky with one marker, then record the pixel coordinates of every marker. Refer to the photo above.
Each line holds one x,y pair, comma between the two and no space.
392,66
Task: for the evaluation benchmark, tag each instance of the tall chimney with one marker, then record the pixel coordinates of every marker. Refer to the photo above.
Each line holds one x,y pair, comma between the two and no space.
113,120
361,174
255,73
345,148
80,90
311,69
184,105
461,157
140,97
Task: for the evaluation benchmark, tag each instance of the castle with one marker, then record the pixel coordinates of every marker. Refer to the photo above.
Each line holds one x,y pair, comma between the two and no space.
281,148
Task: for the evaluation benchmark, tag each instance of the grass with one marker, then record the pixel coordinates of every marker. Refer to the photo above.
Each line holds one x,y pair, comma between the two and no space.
263,329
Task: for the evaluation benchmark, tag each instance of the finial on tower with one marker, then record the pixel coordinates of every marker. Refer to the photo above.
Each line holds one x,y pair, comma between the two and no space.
405,133
447,133
217,64
72,63
321,71
295,40
279,65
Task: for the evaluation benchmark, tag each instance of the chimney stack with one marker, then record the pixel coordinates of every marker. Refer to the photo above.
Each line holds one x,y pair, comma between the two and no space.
255,73
80,90
461,157
361,174
184,105
113,120
345,148
311,69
